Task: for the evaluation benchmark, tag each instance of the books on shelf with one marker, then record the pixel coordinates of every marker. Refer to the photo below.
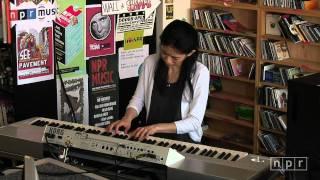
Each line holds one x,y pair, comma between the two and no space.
272,26
274,50
297,29
222,65
273,97
293,4
281,75
228,44
252,71
237,66
271,142
216,19
265,69
273,120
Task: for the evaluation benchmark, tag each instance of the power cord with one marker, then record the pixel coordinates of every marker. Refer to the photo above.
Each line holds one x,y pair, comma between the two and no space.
50,146
73,118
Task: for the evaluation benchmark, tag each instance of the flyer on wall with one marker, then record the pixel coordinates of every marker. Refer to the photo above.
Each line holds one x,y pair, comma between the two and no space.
130,61
103,90
77,91
100,32
34,52
69,38
134,21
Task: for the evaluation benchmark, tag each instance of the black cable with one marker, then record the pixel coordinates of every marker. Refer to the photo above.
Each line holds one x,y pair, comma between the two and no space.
49,147
65,93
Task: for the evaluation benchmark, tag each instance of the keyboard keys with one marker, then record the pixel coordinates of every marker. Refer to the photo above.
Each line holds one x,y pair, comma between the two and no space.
178,146
53,124
195,150
173,146
208,153
221,155
236,157
203,152
106,133
227,156
40,123
190,149
213,154
182,148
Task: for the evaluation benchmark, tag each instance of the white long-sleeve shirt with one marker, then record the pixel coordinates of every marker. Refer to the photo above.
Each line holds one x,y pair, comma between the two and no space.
192,111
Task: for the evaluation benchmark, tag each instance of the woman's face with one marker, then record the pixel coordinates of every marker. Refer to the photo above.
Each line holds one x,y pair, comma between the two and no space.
171,56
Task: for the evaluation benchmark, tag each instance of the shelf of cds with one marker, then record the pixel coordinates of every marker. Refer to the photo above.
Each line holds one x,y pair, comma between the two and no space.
252,48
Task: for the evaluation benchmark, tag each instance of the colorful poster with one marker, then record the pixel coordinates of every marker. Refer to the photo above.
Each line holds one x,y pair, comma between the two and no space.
134,21
129,6
77,92
104,90
133,39
34,41
69,38
130,61
34,52
100,32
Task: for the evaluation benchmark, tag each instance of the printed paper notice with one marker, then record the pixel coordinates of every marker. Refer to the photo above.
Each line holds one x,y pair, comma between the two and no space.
134,21
131,60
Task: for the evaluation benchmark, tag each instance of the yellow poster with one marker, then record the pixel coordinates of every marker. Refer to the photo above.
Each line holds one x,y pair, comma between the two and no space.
133,39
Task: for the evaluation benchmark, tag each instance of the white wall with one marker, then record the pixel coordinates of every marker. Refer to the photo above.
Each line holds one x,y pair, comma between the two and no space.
181,10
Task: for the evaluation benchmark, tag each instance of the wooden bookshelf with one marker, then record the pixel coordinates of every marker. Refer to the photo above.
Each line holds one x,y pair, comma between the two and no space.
273,131
225,54
303,54
301,12
219,3
229,119
232,97
220,137
236,90
281,153
236,78
304,64
273,108
263,83
250,33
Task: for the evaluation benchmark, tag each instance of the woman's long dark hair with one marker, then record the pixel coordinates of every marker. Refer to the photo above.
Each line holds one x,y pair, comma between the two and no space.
183,37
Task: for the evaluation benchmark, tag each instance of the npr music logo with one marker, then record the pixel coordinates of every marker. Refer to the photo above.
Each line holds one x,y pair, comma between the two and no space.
288,163
33,13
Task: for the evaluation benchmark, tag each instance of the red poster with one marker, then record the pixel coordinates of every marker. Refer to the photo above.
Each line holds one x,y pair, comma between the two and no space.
34,52
100,32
